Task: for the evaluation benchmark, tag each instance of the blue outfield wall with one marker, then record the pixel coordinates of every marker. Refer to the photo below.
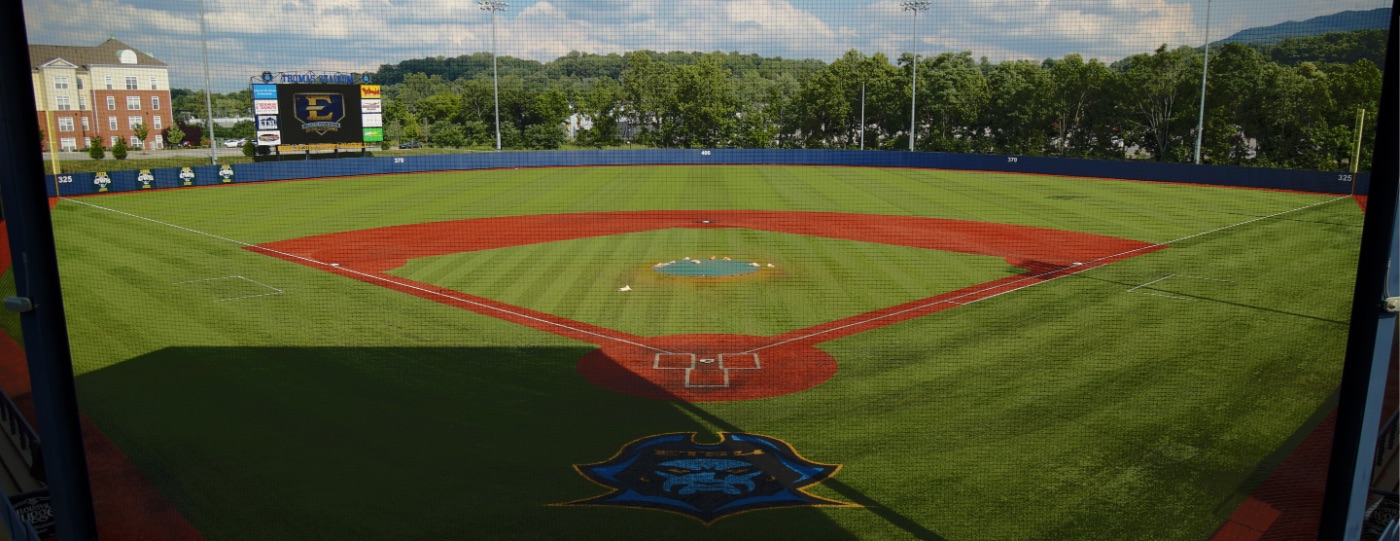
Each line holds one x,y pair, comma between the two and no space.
208,175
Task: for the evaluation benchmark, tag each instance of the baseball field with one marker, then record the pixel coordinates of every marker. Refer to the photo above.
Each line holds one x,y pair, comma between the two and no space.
452,355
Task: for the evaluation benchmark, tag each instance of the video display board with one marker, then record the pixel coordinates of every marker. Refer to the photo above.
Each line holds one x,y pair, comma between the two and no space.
324,114
310,114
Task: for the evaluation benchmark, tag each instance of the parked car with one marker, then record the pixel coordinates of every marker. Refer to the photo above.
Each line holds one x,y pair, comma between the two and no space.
186,144
410,144
234,143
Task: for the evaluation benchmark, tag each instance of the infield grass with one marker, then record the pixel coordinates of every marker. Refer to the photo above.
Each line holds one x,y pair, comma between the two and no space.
813,280
1142,400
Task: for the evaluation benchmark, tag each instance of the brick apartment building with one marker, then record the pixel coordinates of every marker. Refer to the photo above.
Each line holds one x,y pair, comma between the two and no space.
102,91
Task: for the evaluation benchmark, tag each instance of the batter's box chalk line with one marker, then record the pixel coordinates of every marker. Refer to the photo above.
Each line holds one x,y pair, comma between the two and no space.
1174,277
269,289
708,371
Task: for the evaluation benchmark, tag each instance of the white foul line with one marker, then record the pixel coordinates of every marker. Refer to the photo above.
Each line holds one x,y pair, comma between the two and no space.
1059,270
379,278
775,344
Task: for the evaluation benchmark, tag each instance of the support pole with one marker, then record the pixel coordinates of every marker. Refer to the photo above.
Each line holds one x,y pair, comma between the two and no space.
38,299
1373,328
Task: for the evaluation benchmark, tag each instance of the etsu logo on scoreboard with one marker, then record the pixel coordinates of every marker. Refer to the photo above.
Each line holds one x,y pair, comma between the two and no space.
707,482
319,112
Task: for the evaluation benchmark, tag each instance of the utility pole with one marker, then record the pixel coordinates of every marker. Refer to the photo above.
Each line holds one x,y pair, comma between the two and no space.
493,6
915,6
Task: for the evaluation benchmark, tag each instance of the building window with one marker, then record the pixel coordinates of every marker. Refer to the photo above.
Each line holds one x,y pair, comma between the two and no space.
115,138
65,103
159,142
80,83
131,83
155,103
68,144
133,121
60,83
86,126
133,103
153,83
155,123
107,79
112,125
65,123
135,142
111,103
82,103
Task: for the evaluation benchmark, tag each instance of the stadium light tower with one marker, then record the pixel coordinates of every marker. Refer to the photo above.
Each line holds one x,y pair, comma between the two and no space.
493,6
1205,68
208,99
915,6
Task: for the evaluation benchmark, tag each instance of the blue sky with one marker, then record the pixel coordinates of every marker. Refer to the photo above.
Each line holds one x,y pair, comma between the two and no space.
248,37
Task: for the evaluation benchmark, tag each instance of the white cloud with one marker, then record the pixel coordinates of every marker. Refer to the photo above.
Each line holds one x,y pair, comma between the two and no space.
247,37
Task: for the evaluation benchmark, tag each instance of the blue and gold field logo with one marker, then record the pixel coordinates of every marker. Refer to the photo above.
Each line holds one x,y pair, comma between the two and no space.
708,482
319,112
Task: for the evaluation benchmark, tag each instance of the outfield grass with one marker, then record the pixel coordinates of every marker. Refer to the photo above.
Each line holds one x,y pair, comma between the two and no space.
1142,400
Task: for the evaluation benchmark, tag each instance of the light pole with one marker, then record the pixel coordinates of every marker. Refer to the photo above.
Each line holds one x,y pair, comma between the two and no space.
915,6
208,101
493,6
1205,67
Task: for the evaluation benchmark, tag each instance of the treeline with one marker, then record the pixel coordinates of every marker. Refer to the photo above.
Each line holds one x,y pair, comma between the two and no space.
1289,105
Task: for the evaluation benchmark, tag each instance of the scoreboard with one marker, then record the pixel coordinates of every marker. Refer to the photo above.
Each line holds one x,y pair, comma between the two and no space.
317,116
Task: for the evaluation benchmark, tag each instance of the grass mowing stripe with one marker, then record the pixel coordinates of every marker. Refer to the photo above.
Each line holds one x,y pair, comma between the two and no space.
942,421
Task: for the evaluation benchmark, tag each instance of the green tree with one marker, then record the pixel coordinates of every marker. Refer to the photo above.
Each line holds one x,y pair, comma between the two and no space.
1354,87
1021,112
1156,86
830,104
599,105
443,106
175,134
95,150
1294,133
648,95
119,150
1083,105
141,132
411,128
243,129
543,137
447,135
1233,113
954,95
705,105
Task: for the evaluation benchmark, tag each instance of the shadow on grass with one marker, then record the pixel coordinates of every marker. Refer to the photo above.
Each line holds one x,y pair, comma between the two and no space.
394,443
1181,295
916,530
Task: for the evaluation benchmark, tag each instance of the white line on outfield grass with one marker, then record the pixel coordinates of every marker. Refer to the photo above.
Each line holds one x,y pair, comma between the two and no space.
1034,278
378,278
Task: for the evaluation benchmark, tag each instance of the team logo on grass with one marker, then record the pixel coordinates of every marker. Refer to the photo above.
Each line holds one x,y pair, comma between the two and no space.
707,482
